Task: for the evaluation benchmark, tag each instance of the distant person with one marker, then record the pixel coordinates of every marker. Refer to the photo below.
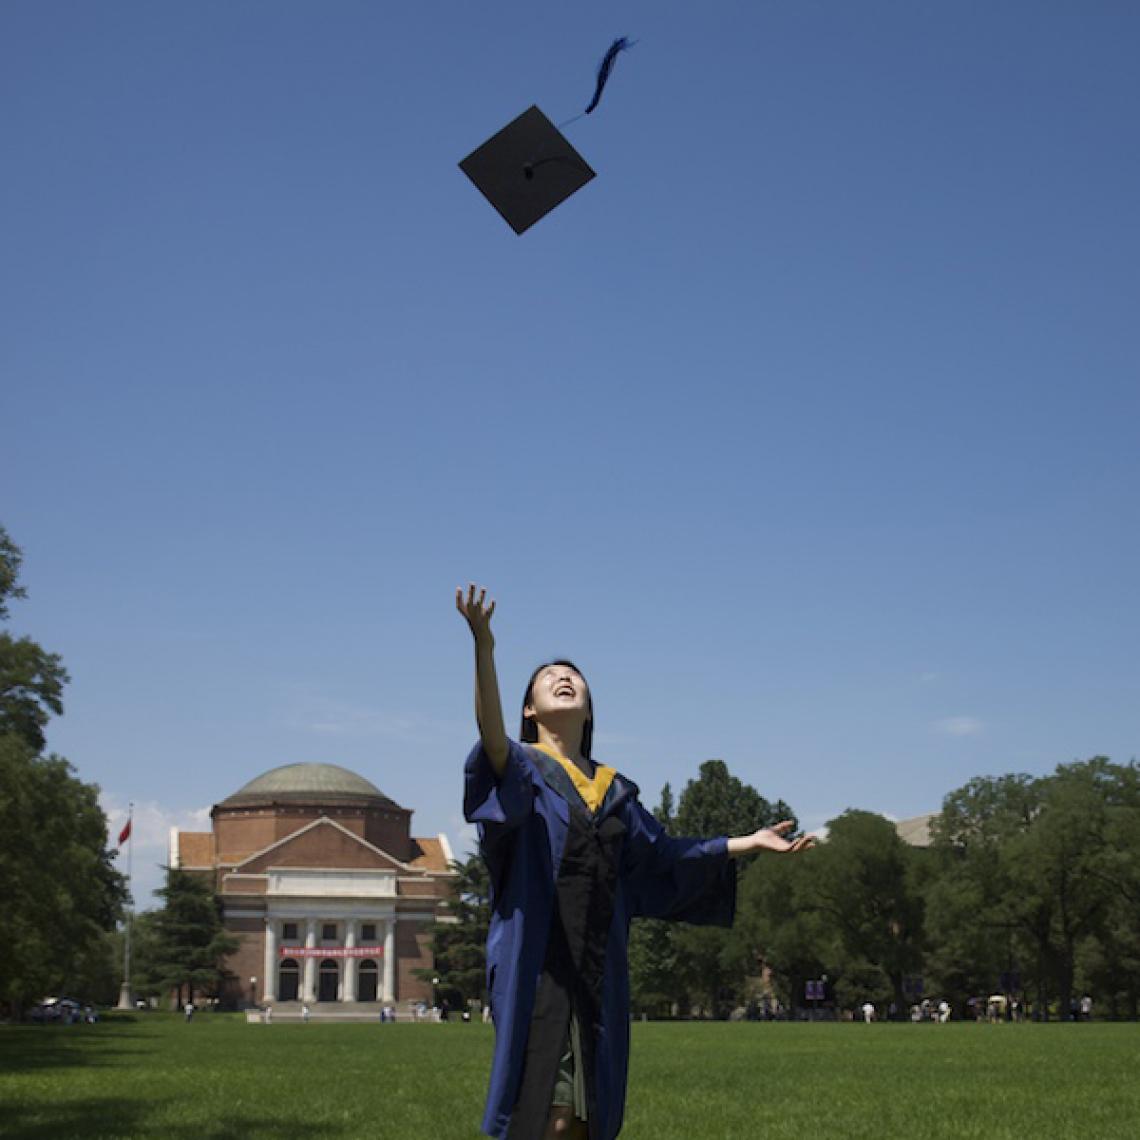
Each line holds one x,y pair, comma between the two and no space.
269,1015
1086,1008
997,1008
305,1012
868,1012
943,1011
188,1010
572,856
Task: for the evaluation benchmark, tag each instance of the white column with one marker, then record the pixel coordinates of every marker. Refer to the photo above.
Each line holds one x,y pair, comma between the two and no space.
389,994
309,989
348,986
269,981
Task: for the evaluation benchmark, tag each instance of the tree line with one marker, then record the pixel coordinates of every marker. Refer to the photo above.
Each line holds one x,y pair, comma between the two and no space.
1029,885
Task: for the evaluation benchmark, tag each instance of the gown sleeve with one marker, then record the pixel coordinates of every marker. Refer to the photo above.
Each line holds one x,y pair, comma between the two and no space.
690,880
498,805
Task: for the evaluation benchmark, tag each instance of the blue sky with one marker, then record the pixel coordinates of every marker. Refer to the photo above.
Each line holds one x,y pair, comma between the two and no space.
809,428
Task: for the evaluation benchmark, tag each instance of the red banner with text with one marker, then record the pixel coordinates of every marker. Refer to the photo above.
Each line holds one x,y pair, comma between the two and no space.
330,952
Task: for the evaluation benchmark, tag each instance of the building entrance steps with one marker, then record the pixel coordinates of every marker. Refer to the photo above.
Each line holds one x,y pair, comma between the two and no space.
338,1011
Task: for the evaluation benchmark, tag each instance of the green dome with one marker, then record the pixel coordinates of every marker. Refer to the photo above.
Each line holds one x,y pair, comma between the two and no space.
307,782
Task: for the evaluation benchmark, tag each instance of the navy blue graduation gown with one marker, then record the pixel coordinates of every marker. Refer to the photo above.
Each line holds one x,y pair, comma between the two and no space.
528,821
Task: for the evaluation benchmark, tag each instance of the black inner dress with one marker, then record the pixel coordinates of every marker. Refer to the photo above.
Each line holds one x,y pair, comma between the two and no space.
574,968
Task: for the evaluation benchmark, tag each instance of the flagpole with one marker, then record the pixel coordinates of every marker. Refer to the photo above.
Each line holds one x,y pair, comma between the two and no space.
130,895
125,996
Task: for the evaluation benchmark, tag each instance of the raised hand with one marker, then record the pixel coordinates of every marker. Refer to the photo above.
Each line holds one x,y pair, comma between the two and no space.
476,612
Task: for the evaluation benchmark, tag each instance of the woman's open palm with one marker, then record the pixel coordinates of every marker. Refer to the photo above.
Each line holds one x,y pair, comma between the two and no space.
773,839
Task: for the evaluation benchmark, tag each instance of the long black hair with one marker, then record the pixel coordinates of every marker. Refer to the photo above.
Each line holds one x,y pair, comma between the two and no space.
528,732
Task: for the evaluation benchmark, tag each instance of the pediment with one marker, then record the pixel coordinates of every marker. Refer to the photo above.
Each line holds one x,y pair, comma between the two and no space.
321,843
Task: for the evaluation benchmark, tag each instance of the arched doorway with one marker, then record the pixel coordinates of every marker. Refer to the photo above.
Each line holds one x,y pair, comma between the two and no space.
328,978
367,978
288,980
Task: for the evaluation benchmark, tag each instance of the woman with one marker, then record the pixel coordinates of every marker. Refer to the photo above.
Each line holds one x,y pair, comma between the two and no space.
572,856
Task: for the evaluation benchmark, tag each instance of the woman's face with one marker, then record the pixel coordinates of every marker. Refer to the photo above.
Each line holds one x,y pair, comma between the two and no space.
557,690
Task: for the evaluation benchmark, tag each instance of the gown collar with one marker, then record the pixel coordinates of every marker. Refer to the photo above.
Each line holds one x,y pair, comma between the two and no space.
570,782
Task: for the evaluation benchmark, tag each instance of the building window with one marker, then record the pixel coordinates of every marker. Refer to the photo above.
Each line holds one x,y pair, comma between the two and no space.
289,932
328,932
368,932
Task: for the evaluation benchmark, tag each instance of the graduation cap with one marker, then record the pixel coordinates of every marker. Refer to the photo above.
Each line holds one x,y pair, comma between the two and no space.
529,167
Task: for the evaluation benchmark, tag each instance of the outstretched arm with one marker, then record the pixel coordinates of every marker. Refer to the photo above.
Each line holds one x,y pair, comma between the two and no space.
770,839
488,708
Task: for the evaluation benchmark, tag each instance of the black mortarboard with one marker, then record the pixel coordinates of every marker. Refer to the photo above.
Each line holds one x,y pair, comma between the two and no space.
527,169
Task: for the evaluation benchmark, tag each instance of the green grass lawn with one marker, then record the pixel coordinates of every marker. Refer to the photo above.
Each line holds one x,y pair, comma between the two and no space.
220,1077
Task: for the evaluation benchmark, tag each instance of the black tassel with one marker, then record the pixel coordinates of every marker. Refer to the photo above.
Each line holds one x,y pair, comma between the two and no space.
606,66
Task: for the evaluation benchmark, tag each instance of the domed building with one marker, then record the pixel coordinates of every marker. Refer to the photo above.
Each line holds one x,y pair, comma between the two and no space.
324,884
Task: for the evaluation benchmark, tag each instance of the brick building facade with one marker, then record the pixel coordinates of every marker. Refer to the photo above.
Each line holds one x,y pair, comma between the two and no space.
320,878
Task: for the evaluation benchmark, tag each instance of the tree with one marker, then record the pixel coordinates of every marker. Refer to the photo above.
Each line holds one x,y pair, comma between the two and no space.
192,942
977,922
61,892
1111,958
969,937
459,939
11,559
31,689
146,974
718,803
31,679
711,965
779,923
1038,877
655,985
862,884
1063,871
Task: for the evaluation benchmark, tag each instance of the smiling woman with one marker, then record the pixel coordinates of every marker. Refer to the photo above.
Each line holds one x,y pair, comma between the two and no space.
572,857
555,688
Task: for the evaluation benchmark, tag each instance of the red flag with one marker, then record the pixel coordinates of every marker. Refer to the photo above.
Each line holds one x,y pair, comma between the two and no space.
125,834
